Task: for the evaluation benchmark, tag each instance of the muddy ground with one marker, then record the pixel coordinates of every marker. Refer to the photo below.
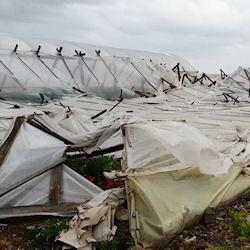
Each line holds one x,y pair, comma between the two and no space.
213,233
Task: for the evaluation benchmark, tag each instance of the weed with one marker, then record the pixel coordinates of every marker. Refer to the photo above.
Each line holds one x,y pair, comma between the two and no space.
46,233
93,169
95,166
239,225
116,243
211,247
107,245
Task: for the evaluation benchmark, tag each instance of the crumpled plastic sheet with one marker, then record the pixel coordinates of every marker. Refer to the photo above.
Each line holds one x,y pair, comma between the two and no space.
94,221
173,143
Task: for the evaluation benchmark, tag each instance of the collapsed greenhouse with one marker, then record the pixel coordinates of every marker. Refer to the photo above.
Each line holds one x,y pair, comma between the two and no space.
182,136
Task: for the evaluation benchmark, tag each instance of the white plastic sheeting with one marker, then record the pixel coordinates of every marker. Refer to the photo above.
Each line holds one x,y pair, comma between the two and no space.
26,170
24,75
74,189
166,193
94,221
31,152
5,128
163,204
173,144
238,82
33,192
11,112
185,124
78,128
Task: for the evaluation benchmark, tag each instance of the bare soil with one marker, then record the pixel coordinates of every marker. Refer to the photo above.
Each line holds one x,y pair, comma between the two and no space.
211,234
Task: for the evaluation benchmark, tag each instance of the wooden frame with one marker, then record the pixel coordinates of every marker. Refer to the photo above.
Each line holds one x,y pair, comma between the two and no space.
10,139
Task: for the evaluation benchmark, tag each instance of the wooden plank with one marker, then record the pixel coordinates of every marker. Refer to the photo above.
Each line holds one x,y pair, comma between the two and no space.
32,176
124,152
40,126
55,185
248,77
94,153
46,208
124,168
100,113
10,139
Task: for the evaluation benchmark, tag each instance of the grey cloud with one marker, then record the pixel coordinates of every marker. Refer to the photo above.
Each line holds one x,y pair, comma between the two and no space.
210,34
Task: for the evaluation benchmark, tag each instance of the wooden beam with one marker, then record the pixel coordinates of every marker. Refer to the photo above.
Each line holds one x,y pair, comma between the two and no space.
46,208
10,139
143,94
40,126
31,176
55,185
94,153
248,77
100,113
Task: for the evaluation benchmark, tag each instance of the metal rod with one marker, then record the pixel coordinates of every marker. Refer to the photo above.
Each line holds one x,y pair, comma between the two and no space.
98,52
76,148
80,54
177,66
116,104
100,113
59,53
12,75
47,67
40,126
83,92
26,64
143,76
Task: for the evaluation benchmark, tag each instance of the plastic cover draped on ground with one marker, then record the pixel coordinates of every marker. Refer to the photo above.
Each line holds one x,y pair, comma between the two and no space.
94,221
166,192
26,175
187,121
173,145
31,152
165,203
75,189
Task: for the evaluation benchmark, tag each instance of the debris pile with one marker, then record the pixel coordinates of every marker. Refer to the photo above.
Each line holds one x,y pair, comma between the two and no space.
182,135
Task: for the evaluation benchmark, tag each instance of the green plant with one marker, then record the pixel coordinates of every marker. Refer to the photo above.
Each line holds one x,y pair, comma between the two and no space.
46,233
211,247
93,169
239,225
107,245
116,243
95,166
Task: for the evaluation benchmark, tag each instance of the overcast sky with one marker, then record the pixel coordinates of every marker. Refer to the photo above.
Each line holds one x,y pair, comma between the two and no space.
210,34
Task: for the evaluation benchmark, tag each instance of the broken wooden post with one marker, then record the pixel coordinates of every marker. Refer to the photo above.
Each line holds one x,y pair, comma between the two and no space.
223,74
55,185
10,139
177,67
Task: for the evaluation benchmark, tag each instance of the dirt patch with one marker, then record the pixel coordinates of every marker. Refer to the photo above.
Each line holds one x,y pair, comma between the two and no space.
14,232
212,234
215,233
